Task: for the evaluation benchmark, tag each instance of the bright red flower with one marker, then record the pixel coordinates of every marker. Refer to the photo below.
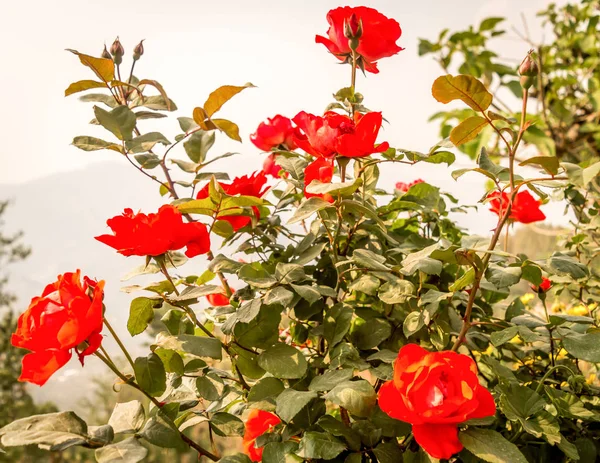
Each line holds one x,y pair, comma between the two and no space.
67,314
321,170
525,208
378,39
270,167
258,423
246,186
404,187
155,234
276,132
435,391
544,287
338,134
218,299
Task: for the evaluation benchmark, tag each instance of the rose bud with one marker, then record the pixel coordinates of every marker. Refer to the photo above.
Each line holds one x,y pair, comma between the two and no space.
353,27
138,51
544,287
117,51
105,53
528,66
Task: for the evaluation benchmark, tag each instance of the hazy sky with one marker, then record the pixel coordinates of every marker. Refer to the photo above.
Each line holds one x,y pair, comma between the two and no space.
193,47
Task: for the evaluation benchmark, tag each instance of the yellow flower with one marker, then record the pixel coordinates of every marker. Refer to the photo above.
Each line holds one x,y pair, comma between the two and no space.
516,340
578,310
591,378
527,298
558,307
562,354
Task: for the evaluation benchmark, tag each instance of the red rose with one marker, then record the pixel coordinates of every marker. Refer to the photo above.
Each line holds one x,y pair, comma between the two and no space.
246,186
378,39
525,208
276,132
66,315
338,134
544,287
435,391
321,170
218,299
270,167
155,234
257,424
404,187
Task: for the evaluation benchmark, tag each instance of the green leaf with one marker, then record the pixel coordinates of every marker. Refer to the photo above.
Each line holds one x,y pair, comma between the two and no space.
567,265
237,458
548,163
222,95
127,417
490,23
370,260
146,142
358,397
414,321
462,87
171,360
226,425
569,405
590,173
150,374
120,121
127,451
266,388
337,323
55,430
330,379
520,402
210,387
334,189
283,361
198,144
490,446
141,314
161,432
502,337
307,292
290,402
583,346
396,291
388,452
198,346
371,333
280,452
421,261
95,144
308,208
83,85
367,284
228,128
320,445
463,281
503,277
289,273
467,130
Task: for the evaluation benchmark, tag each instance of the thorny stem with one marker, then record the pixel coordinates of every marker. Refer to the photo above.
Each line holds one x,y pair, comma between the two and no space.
479,272
202,451
543,299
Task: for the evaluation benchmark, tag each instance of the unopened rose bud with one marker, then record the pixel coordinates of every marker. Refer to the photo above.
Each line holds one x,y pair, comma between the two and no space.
117,51
353,27
528,67
138,51
105,53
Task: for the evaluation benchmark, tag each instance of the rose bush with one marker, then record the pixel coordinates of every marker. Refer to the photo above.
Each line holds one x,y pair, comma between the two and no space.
365,324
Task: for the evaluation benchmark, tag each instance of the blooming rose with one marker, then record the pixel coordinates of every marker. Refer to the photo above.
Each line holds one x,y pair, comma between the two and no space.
404,187
321,170
155,234
66,315
378,39
435,391
246,186
544,287
270,167
257,424
276,132
338,134
525,208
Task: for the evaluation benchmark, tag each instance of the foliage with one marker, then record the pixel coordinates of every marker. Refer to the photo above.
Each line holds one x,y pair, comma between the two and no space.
336,276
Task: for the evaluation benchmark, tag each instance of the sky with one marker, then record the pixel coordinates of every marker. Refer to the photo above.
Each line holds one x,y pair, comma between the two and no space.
193,47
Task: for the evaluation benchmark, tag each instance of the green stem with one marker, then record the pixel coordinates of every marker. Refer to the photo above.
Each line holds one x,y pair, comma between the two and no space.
131,383
548,373
118,340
